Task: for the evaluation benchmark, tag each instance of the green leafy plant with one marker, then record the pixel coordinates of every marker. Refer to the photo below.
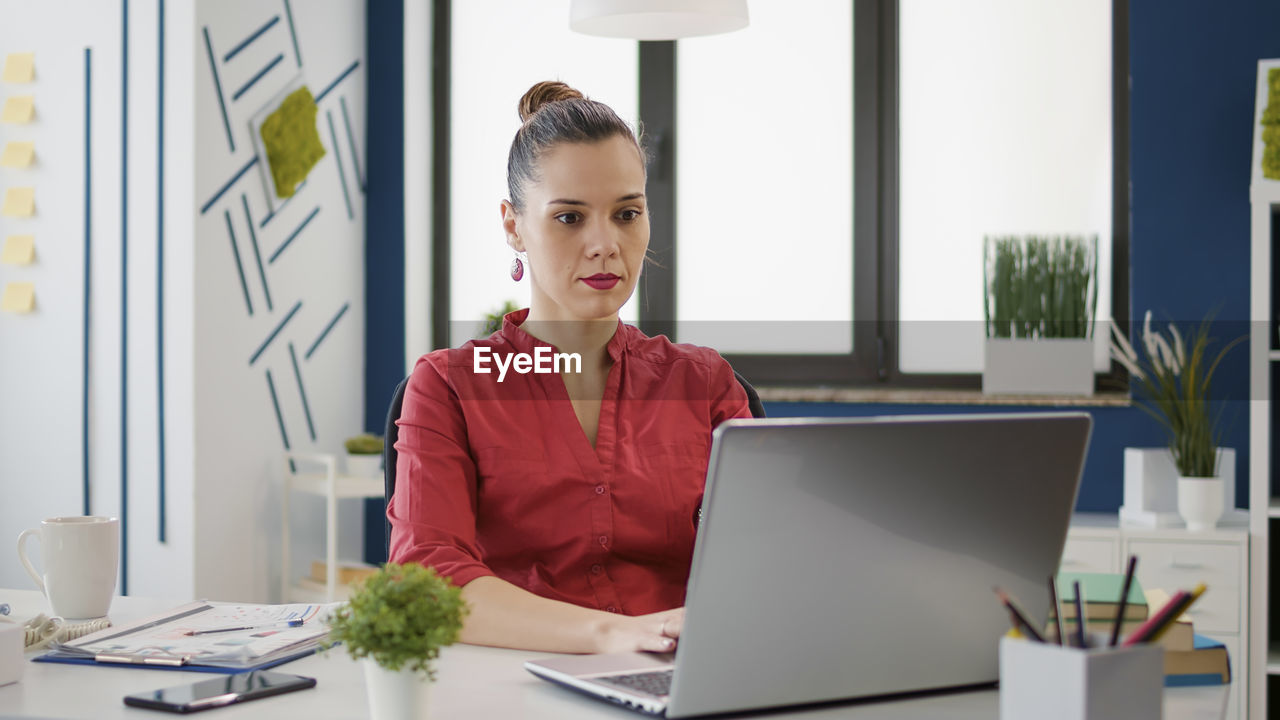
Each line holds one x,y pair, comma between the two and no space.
1174,379
493,321
400,616
1040,287
1271,127
364,444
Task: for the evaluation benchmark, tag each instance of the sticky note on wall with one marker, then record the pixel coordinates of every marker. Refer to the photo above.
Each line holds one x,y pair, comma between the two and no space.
20,68
18,110
19,202
18,154
19,297
18,250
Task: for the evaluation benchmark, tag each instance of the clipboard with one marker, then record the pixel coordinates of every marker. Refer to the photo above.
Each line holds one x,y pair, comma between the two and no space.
165,641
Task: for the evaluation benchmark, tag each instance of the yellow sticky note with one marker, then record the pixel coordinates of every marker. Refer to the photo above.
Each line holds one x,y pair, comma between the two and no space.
19,202
18,154
19,297
20,67
19,109
18,250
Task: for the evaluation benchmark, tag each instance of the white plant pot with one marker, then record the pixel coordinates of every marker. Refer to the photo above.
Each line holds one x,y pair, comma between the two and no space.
1151,486
364,465
1200,502
399,695
1049,366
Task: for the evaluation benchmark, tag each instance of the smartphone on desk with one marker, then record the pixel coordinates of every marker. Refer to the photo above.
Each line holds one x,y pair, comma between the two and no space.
220,691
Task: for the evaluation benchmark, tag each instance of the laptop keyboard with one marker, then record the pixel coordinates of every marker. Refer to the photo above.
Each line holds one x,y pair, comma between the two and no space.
656,683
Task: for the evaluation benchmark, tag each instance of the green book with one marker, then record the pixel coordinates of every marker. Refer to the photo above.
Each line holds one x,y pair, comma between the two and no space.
1101,596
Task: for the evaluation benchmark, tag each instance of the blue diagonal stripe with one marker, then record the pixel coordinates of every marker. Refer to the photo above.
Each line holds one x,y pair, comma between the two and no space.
350,68
217,84
235,251
245,88
246,42
222,191
325,333
342,176
306,407
257,256
351,140
272,215
262,348
293,33
292,235
275,403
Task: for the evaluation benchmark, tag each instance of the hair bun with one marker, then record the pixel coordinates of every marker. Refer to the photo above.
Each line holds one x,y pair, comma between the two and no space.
543,93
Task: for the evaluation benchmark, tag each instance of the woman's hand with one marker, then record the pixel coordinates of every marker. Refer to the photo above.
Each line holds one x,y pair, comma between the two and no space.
657,632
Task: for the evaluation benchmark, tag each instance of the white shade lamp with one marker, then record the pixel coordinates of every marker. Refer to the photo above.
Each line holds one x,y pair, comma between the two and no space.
657,19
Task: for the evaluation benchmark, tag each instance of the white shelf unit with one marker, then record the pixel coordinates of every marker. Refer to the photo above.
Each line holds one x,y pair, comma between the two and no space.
1264,197
332,486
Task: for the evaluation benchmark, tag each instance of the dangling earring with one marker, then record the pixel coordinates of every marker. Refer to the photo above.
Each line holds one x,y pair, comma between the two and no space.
517,269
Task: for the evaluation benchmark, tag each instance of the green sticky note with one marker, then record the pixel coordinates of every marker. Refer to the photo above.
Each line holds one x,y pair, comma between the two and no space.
292,142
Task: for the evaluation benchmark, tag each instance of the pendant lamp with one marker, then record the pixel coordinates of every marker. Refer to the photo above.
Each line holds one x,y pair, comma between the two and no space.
657,19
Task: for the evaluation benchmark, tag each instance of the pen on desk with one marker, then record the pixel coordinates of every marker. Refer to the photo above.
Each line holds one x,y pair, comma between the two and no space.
4,608
283,623
1018,617
1058,630
1081,620
1124,600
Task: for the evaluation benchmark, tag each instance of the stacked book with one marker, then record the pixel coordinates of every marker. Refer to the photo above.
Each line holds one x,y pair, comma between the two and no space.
1189,659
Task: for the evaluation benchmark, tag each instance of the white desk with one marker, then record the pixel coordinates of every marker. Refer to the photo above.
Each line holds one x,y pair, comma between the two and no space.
474,682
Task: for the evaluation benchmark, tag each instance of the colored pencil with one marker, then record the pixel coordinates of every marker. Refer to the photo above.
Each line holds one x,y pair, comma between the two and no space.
1081,620
1158,623
1057,611
1019,618
1124,600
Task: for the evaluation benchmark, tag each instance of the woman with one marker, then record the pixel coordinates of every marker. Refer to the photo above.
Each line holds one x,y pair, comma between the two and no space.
564,503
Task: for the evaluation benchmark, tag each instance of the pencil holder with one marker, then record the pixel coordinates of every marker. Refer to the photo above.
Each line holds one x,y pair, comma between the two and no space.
1051,682
11,646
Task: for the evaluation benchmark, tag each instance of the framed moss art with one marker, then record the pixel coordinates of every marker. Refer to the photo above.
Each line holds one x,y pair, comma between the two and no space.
287,141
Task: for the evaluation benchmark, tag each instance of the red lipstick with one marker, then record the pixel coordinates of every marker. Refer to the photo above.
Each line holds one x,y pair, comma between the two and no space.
602,281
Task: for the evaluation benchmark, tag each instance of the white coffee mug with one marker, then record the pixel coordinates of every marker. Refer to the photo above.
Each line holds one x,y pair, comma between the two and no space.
80,559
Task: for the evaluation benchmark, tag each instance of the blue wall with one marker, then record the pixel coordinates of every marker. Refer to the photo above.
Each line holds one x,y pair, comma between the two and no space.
1193,68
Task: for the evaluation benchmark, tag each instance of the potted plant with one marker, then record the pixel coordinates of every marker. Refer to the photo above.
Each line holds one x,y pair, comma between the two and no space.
1040,298
1172,379
364,455
395,623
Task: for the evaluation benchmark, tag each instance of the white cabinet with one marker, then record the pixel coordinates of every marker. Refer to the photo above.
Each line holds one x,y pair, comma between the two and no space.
1172,559
332,486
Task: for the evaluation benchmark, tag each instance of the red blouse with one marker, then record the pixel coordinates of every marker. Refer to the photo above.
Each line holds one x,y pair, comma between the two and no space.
498,478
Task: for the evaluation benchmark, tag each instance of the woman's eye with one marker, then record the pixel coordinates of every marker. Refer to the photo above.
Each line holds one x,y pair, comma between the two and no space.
629,215
568,218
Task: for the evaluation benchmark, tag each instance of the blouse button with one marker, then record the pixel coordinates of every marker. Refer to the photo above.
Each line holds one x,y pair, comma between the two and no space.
611,609
596,569
604,539
599,489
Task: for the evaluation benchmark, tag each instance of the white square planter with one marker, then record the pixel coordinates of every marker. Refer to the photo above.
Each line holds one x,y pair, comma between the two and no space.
1049,366
1151,486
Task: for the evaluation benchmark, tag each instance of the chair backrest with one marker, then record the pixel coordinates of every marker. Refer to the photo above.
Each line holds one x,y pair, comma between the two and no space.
392,432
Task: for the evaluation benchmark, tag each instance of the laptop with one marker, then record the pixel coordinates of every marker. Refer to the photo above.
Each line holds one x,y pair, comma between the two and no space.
855,558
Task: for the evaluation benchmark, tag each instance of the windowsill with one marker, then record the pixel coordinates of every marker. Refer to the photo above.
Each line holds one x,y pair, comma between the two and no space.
926,396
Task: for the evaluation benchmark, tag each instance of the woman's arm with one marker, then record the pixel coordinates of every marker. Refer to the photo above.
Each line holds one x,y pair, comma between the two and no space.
508,616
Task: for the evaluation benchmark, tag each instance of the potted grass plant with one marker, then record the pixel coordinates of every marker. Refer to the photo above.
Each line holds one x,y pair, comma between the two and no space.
1041,293
364,455
1172,380
395,624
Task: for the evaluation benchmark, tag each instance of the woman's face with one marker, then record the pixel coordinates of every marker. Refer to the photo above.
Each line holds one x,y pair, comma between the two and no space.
585,228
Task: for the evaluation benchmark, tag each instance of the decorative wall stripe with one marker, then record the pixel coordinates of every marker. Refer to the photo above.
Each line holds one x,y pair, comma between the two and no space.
162,522
351,68
265,343
288,12
351,140
221,191
245,88
88,244
275,402
235,252
306,407
257,256
217,84
337,156
292,235
276,211
124,299
325,333
247,41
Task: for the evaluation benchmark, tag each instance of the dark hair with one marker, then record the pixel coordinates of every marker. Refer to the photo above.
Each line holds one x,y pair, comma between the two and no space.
555,113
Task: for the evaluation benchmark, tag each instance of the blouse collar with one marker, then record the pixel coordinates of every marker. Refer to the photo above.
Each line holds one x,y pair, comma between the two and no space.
524,342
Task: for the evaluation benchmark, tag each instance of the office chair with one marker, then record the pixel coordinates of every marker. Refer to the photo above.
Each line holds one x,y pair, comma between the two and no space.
392,432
